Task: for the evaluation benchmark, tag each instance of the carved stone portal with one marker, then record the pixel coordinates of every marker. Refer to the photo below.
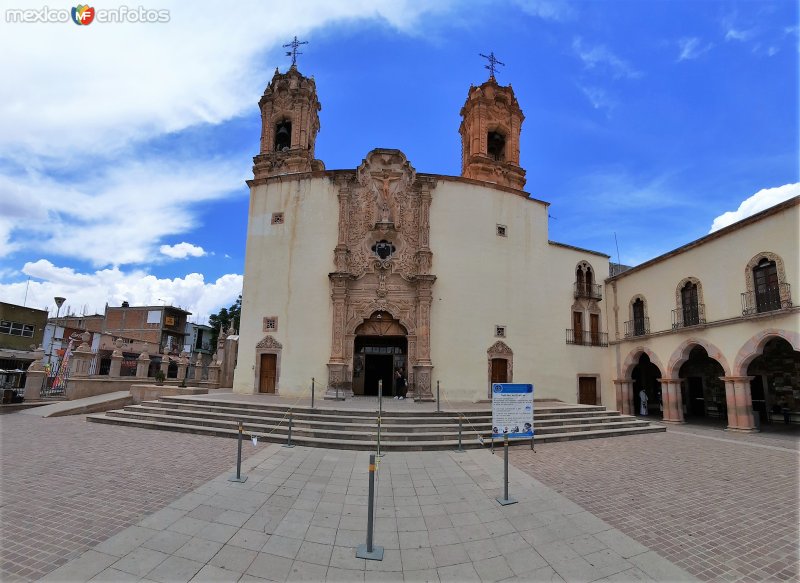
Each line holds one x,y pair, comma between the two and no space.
383,262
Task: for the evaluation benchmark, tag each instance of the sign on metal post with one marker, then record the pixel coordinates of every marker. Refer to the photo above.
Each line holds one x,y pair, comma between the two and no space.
512,410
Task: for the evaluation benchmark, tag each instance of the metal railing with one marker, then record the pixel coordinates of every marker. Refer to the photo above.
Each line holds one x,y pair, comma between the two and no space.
637,327
689,316
588,290
767,300
586,337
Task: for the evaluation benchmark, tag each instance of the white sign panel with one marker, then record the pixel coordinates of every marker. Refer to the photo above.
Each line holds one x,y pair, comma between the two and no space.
512,410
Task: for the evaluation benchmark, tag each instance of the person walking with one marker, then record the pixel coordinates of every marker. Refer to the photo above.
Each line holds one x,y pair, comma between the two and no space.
643,409
400,384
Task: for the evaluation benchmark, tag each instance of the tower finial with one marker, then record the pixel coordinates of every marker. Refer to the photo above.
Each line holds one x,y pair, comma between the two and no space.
293,53
493,62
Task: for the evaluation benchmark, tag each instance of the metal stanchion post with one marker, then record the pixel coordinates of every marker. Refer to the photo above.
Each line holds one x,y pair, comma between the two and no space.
289,437
380,397
505,500
312,392
239,477
460,428
379,454
437,397
368,551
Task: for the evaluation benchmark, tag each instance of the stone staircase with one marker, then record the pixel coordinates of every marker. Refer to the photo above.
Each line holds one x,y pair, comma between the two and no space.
357,429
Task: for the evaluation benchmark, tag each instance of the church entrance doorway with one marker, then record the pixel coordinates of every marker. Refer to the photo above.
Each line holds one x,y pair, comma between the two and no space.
380,348
646,387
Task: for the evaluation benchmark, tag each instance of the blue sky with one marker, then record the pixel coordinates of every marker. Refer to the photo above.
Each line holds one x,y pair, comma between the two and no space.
124,147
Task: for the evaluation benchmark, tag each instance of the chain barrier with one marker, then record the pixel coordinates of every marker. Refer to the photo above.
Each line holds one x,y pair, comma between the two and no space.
287,413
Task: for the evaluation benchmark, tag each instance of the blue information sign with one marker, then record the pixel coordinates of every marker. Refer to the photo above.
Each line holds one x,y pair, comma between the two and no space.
512,410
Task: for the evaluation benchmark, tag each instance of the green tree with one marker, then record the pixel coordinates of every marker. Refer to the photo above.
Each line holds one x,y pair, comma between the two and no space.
225,319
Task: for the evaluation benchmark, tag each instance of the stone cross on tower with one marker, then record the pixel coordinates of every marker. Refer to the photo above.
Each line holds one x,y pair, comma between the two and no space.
493,62
293,53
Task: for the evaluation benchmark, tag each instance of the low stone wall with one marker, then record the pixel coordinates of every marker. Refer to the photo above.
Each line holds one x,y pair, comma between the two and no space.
142,393
81,387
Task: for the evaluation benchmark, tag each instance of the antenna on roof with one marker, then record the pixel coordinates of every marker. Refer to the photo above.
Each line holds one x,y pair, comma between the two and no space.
617,245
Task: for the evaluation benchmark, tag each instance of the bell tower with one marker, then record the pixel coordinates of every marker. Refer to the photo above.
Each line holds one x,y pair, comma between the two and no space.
490,128
289,125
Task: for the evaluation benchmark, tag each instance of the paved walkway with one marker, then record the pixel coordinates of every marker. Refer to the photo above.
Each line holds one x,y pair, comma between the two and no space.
302,512
722,505
66,485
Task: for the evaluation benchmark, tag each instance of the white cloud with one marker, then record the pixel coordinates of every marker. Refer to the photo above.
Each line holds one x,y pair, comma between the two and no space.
116,216
547,9
89,292
598,97
109,84
601,58
182,250
763,199
692,48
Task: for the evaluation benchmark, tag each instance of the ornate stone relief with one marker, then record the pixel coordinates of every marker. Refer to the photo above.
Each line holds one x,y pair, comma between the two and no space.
269,342
383,261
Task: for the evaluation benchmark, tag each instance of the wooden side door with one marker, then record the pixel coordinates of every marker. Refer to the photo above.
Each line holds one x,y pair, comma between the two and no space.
587,391
594,326
268,374
499,370
577,327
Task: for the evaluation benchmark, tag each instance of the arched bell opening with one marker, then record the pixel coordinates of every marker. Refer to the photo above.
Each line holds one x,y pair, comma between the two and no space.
283,135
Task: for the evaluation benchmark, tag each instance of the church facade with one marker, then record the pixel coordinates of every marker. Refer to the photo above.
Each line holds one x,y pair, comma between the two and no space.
354,276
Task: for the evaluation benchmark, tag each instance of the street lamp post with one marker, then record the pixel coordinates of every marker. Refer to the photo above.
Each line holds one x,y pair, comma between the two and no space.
59,302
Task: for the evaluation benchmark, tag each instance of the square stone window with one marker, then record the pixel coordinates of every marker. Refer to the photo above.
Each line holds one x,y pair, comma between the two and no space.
270,324
277,218
500,331
502,231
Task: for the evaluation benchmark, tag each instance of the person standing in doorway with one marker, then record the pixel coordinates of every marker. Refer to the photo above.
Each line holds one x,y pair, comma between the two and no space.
400,383
643,410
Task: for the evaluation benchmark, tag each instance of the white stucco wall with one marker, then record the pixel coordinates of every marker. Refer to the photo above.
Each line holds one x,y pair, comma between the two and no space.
286,275
520,281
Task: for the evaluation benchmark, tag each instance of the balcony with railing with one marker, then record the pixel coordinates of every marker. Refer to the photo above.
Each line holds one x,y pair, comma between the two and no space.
587,338
692,315
588,290
767,300
637,327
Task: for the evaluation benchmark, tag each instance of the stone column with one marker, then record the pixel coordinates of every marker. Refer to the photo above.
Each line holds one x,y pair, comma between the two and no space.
183,364
624,396
142,365
116,359
739,401
213,374
198,368
672,403
81,357
35,377
164,362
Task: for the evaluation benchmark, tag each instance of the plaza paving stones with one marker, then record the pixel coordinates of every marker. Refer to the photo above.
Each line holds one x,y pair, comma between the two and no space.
721,505
67,485
302,512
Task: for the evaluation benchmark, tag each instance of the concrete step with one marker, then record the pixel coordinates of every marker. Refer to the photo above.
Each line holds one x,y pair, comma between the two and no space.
347,416
387,444
302,409
390,424
366,431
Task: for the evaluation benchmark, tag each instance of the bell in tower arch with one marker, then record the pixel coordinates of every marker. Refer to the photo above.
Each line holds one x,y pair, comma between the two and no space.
283,136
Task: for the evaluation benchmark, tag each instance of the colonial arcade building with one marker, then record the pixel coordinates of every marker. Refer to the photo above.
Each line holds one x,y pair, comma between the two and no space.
352,276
